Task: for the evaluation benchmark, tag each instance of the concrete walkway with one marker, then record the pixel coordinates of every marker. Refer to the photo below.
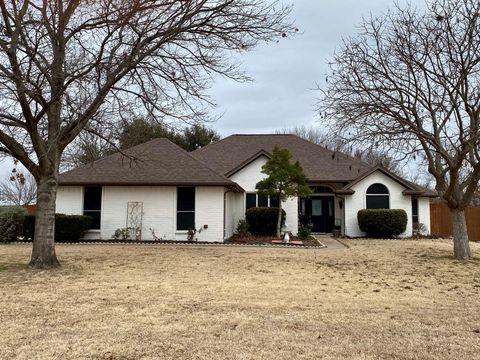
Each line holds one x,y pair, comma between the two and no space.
330,242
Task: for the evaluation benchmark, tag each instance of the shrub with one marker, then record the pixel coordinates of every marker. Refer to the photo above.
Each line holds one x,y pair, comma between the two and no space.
304,231
420,229
263,220
242,228
68,228
11,222
122,234
382,223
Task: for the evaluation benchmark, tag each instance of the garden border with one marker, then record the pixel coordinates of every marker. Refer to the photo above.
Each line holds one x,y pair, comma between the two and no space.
179,243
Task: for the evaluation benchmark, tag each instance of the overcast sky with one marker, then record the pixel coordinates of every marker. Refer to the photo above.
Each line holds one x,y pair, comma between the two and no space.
285,73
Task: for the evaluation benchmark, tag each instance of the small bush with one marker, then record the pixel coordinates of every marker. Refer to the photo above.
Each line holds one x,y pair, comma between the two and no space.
382,223
122,234
263,220
420,229
11,222
304,231
242,228
68,228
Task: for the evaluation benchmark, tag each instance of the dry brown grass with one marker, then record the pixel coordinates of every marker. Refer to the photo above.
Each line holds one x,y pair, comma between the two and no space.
377,300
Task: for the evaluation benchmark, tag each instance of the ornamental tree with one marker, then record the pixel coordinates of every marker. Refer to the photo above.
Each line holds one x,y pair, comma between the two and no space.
285,179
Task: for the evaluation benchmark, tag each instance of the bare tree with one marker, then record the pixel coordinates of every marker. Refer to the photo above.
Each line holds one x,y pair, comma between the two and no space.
333,141
71,66
410,82
85,149
18,189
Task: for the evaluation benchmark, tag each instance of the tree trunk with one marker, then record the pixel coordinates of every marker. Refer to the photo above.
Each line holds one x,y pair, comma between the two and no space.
461,245
279,221
43,253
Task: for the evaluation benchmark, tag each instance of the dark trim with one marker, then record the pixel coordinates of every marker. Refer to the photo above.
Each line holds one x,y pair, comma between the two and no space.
345,192
411,189
230,185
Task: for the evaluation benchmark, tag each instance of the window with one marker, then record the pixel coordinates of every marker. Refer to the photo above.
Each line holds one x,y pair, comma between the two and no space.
378,197
274,201
92,204
321,190
415,211
251,201
262,201
254,200
185,208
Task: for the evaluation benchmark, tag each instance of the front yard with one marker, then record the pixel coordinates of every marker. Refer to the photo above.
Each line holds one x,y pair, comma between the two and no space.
377,300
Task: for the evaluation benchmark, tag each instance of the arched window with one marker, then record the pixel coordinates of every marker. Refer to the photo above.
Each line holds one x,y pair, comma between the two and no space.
378,197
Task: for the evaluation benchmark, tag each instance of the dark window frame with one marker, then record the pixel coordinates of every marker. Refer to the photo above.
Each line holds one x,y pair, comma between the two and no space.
93,207
415,211
183,212
377,194
269,199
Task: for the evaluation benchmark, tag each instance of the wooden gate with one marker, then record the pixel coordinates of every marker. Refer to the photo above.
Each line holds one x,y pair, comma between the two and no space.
441,223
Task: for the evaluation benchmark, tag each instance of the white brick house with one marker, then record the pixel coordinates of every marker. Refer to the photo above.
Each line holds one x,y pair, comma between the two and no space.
163,190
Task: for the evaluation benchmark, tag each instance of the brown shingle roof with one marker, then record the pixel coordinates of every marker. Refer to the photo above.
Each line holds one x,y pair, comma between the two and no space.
318,163
157,162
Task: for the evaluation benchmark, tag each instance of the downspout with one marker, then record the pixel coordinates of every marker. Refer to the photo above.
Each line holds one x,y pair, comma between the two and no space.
342,226
225,212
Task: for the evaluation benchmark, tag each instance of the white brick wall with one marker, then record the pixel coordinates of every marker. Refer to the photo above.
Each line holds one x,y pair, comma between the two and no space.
235,211
70,200
159,210
424,212
357,201
248,178
209,211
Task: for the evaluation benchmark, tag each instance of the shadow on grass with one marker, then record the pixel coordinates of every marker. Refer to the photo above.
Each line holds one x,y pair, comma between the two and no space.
448,257
13,266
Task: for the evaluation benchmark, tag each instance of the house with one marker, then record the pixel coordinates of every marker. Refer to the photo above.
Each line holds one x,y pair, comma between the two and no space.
161,191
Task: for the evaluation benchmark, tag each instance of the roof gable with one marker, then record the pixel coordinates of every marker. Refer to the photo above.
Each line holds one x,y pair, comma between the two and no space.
318,163
410,188
248,162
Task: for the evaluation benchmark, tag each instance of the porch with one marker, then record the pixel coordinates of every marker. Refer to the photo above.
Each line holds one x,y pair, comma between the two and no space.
324,210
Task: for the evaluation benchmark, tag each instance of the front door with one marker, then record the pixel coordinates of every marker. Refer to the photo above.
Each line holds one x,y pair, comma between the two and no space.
320,212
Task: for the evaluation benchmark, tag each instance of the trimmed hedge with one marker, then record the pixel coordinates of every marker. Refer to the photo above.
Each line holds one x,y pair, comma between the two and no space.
263,220
11,222
68,228
382,223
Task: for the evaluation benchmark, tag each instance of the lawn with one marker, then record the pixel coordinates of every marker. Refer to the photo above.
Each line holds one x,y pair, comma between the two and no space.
376,300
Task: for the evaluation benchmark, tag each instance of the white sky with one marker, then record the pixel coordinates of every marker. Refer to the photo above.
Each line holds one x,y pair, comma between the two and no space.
281,95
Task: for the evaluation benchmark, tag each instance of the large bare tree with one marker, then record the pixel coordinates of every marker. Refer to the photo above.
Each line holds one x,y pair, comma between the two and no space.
68,66
410,82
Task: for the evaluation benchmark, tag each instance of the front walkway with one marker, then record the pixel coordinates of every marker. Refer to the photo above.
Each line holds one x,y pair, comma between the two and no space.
330,242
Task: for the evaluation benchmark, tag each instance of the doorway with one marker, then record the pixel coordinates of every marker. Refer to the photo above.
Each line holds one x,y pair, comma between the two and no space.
318,211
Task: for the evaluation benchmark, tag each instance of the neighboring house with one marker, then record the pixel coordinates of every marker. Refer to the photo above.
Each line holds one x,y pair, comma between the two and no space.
158,186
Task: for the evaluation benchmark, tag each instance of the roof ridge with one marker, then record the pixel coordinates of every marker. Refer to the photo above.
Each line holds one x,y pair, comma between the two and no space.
189,153
347,156
206,146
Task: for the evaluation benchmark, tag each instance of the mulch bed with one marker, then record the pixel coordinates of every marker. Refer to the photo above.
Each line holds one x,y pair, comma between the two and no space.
267,240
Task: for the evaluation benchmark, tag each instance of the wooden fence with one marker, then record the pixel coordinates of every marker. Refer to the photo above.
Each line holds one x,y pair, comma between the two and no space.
441,223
